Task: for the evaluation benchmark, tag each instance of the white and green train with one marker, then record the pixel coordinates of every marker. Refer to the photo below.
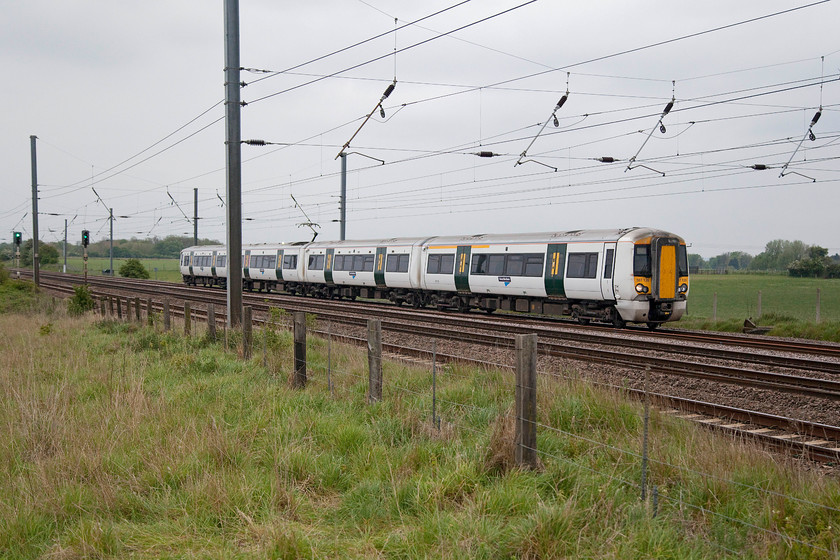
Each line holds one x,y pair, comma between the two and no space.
637,275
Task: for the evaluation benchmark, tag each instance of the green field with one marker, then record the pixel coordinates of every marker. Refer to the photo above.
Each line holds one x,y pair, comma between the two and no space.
167,269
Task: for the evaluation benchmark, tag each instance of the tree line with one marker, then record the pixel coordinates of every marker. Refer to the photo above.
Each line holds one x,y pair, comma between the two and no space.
780,255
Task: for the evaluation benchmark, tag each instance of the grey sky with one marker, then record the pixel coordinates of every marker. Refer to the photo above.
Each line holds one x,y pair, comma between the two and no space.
99,82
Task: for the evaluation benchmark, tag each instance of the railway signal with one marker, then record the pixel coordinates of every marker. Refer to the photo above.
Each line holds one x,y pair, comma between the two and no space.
18,238
85,238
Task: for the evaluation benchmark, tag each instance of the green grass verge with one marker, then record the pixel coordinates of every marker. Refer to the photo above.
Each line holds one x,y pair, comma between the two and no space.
787,304
124,441
168,269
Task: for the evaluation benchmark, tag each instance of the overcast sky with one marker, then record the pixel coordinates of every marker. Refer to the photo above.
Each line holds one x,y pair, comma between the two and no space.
107,85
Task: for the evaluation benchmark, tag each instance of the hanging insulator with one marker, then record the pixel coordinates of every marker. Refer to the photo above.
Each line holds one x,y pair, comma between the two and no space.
668,108
759,167
662,128
389,90
255,142
556,122
561,102
811,136
606,159
381,112
485,154
817,116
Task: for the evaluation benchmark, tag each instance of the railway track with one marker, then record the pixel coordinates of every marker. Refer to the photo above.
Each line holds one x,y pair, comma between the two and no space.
814,440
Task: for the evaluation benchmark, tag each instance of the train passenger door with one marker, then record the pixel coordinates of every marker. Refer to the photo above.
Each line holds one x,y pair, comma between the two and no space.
462,268
607,272
555,268
379,267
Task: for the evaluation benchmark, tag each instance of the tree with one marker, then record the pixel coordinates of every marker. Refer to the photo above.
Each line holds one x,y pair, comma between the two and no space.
779,254
816,265
47,254
132,268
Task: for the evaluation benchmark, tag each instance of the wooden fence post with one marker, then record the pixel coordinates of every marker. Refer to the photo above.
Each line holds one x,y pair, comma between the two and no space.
137,308
714,307
211,321
149,319
167,320
119,308
525,450
247,326
102,308
187,319
299,379
111,306
374,360
818,305
758,311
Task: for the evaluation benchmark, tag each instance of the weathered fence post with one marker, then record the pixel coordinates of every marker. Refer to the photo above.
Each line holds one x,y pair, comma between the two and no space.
137,309
247,329
102,308
435,419
758,310
211,321
299,379
111,306
187,319
149,318
119,308
374,360
714,307
645,437
818,305
525,450
329,357
167,320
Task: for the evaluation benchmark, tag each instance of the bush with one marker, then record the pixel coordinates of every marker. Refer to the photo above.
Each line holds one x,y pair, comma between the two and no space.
81,301
132,268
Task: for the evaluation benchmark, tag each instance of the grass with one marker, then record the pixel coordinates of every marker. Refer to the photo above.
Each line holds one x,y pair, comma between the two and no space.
787,304
121,440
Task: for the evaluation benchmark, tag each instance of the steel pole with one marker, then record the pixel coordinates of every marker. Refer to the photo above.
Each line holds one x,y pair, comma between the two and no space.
233,164
65,246
343,202
195,217
35,257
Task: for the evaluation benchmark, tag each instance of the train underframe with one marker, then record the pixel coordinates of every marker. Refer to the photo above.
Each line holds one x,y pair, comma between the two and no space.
649,311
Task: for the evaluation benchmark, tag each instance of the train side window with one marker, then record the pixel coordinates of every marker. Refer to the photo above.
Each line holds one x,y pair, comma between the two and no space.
447,264
367,265
316,262
221,261
358,263
289,262
479,264
641,260
397,263
608,263
403,263
496,265
534,265
271,261
582,265
338,262
433,266
515,265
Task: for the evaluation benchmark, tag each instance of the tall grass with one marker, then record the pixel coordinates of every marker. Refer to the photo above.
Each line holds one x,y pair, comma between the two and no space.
124,441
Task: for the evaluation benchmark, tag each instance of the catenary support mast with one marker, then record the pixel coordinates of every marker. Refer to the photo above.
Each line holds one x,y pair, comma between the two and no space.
234,164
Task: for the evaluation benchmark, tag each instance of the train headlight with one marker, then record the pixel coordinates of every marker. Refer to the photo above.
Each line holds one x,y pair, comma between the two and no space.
683,288
641,288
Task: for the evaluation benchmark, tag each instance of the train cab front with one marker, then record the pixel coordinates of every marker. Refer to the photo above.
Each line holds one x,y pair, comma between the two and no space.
660,271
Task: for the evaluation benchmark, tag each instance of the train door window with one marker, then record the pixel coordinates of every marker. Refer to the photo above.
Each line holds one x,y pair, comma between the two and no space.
289,262
582,265
433,266
641,260
682,260
496,265
608,263
447,264
479,264
534,265
515,265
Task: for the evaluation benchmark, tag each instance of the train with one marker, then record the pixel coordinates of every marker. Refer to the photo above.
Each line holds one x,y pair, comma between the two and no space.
631,275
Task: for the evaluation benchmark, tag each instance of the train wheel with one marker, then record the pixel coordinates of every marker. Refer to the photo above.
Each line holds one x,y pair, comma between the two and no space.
582,320
652,326
617,321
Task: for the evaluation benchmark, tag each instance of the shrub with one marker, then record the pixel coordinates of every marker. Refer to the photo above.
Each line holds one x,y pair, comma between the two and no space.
81,301
132,268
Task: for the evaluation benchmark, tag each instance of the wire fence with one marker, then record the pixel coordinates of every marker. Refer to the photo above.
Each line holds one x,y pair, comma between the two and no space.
454,398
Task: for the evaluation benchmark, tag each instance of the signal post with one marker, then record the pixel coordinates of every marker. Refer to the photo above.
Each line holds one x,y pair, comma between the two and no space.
18,238
85,243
